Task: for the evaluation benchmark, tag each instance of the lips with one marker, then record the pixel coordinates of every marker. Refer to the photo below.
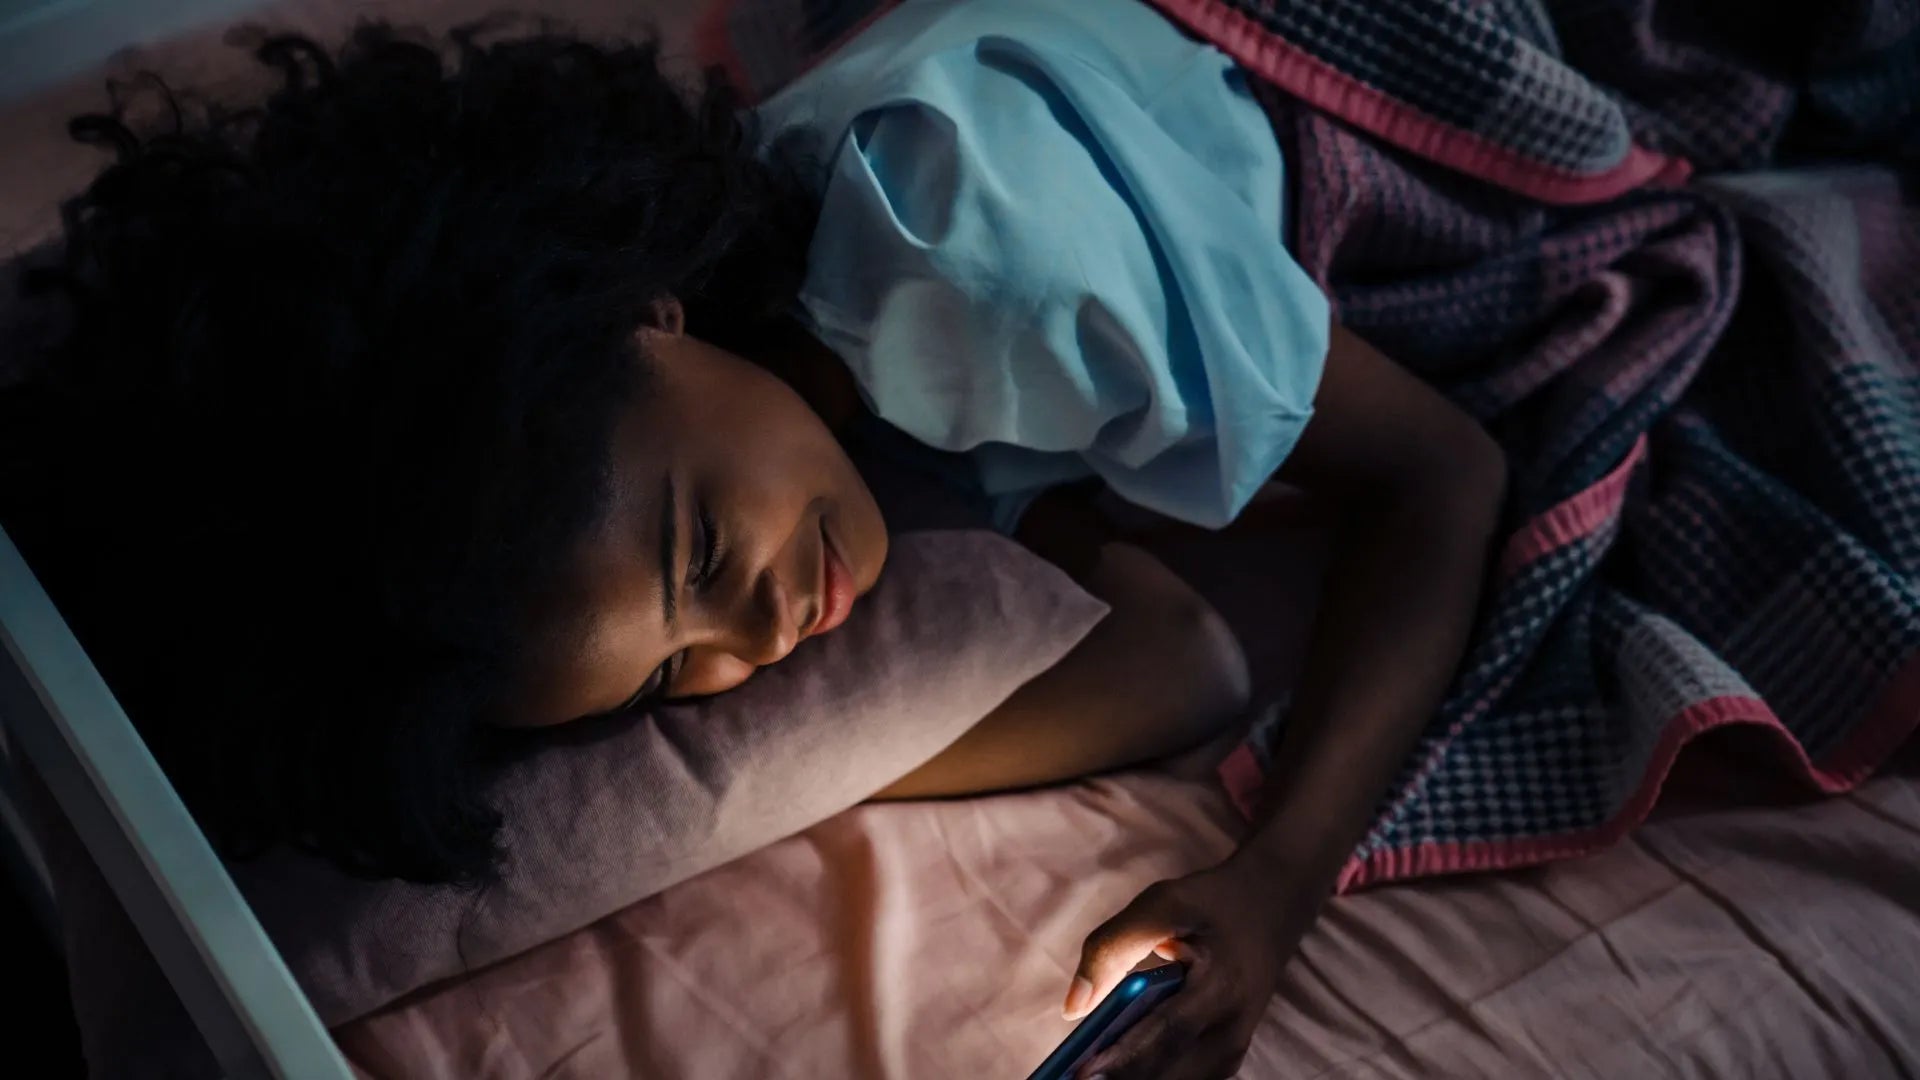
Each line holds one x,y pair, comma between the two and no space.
837,587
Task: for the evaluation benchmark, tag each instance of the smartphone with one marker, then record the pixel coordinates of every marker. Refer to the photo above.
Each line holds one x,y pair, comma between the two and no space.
1135,997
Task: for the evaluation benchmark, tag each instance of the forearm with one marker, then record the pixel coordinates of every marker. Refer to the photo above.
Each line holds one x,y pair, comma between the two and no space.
1394,617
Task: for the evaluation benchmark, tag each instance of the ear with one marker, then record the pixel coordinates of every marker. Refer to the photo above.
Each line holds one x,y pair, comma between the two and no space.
666,315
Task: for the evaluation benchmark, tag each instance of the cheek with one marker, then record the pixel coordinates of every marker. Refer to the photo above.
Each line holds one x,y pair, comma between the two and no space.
781,455
711,671
777,422
780,458
791,436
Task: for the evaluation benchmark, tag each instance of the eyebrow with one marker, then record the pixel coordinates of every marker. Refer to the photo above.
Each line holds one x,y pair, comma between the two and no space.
669,539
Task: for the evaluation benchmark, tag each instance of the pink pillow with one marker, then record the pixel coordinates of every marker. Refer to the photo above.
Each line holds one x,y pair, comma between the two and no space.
606,814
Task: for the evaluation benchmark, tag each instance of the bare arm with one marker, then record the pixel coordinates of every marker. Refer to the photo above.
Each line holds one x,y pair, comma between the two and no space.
1161,673
1417,487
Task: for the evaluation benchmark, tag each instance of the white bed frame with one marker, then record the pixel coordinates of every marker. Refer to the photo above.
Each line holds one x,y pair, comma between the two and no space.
57,713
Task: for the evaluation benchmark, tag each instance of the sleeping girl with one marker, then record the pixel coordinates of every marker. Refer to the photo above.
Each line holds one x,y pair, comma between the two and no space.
506,384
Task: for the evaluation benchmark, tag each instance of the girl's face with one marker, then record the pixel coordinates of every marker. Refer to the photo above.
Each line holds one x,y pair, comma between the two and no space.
736,527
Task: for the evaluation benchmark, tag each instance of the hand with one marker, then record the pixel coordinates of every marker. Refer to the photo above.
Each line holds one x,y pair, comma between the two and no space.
1235,927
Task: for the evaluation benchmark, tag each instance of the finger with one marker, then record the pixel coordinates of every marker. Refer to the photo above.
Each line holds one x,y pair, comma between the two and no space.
1175,949
1116,946
1163,1038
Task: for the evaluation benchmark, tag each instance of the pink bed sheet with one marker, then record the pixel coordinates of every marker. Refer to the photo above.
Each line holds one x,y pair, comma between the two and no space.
936,939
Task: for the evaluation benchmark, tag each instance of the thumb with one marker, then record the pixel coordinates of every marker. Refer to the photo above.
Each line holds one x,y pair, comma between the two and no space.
1116,946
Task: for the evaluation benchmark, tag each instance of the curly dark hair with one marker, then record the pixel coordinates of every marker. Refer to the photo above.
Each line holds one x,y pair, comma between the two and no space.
339,392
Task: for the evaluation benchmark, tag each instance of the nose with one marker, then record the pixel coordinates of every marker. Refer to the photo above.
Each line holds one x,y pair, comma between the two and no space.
767,628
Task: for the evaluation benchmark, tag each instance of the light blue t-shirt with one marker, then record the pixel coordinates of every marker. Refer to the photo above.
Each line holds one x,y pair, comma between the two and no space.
1050,238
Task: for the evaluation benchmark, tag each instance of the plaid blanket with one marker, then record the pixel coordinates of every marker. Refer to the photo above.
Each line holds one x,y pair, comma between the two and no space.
1709,391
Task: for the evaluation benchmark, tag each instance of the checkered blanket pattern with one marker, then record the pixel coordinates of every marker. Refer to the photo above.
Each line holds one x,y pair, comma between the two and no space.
1709,393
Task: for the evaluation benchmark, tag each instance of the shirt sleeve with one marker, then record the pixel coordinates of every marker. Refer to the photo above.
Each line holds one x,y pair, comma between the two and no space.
1020,261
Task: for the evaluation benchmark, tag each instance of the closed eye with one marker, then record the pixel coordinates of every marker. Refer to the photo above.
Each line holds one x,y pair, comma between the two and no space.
709,548
655,688
705,561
